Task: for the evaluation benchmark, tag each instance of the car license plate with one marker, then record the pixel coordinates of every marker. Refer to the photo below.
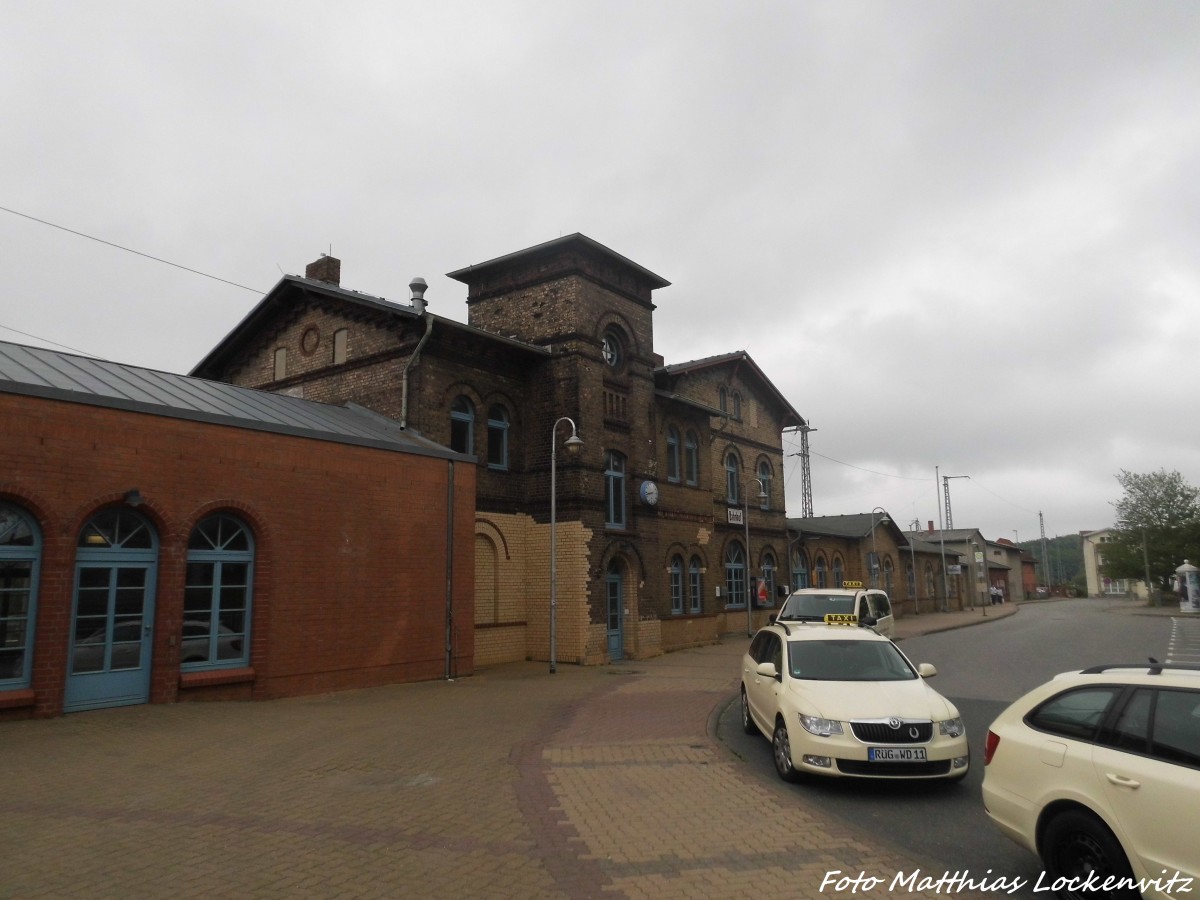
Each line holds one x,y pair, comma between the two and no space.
896,754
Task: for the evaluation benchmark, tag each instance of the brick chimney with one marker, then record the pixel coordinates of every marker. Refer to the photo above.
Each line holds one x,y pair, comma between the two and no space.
327,269
931,526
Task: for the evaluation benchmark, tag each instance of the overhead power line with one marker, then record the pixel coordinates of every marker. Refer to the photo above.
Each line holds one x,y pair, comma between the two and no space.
861,469
158,259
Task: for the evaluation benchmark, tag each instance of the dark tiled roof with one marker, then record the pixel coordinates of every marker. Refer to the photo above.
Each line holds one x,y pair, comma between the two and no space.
36,372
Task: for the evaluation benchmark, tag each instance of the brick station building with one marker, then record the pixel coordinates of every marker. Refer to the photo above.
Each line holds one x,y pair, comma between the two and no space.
164,538
669,518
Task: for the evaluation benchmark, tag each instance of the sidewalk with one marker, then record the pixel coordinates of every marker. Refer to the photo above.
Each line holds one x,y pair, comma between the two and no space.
597,782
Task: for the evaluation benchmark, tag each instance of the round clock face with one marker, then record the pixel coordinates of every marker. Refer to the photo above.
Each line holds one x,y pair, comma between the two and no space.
650,492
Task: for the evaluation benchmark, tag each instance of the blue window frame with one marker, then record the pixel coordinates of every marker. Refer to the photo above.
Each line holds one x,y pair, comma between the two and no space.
735,575
677,585
614,490
497,437
695,585
820,573
462,425
732,469
722,398
769,575
764,475
691,458
737,405
838,574
799,570
217,597
672,454
20,559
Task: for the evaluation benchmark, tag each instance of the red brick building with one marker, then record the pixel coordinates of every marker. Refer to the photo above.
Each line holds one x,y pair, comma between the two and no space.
163,538
669,517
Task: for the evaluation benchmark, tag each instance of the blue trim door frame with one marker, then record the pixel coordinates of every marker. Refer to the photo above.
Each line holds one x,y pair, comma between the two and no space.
111,629
615,595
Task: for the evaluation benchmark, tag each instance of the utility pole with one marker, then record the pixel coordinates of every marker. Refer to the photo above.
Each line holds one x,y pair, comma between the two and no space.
946,490
1045,552
945,607
806,498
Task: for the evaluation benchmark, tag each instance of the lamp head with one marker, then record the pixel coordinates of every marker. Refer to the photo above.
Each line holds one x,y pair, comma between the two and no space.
573,444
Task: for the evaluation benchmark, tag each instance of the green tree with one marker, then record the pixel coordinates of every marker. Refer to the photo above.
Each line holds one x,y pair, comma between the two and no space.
1158,527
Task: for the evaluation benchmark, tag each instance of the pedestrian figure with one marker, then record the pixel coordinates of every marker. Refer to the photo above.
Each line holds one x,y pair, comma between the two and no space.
997,597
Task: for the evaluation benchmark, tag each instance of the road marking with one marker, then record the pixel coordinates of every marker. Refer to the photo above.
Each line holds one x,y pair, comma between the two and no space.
1184,644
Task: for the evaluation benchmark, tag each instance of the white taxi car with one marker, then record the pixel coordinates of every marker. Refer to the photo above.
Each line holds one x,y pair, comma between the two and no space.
871,607
840,701
1098,772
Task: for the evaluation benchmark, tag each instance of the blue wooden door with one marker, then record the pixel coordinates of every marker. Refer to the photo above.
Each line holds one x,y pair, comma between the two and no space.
615,595
112,615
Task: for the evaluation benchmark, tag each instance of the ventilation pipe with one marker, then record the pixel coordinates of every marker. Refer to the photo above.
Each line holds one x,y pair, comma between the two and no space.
418,288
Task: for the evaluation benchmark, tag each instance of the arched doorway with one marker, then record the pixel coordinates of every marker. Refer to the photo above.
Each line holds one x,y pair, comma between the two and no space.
112,614
614,591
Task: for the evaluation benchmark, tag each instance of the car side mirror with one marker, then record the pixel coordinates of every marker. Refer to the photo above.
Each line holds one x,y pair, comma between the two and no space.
767,670
926,670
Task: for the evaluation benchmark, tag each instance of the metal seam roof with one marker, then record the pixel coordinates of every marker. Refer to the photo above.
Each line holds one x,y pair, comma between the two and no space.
52,374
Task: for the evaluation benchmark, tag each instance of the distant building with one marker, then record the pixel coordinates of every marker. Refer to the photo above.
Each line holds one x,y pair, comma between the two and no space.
1099,584
669,520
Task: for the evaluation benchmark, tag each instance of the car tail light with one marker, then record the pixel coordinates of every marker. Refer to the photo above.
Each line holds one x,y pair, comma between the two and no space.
989,747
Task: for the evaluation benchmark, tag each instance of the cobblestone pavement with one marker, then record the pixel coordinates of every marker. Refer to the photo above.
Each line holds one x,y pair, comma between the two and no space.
598,782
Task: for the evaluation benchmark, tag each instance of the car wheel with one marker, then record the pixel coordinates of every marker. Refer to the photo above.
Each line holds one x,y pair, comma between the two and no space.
748,725
782,751
1076,845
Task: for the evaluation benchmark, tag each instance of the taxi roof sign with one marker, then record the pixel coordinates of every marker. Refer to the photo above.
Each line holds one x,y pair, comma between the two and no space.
852,584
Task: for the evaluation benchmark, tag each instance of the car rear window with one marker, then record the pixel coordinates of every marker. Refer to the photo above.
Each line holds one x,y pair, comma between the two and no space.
815,606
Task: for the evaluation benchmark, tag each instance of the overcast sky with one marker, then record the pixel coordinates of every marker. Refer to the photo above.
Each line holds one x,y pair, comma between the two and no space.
953,234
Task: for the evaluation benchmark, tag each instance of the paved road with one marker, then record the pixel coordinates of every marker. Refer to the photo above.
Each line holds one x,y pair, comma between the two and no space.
595,782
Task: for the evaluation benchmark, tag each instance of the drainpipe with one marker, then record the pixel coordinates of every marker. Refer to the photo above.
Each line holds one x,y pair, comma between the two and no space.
450,673
418,287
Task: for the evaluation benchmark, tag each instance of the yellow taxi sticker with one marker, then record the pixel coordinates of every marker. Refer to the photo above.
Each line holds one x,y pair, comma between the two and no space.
840,619
851,584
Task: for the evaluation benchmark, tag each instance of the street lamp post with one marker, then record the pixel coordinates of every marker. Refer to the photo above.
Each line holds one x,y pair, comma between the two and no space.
762,495
915,524
874,553
573,445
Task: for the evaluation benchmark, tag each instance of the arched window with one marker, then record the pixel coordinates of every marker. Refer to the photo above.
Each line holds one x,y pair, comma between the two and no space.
20,558
462,425
737,405
217,597
497,437
672,453
677,585
764,476
695,584
691,458
732,470
889,576
838,575
930,588
910,580
820,573
769,575
723,398
735,575
799,570
614,490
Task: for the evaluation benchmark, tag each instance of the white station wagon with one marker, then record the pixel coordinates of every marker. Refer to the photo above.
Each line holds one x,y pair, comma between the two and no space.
838,701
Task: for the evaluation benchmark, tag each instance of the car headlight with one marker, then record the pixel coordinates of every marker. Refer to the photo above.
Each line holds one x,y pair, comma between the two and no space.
952,727
821,727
